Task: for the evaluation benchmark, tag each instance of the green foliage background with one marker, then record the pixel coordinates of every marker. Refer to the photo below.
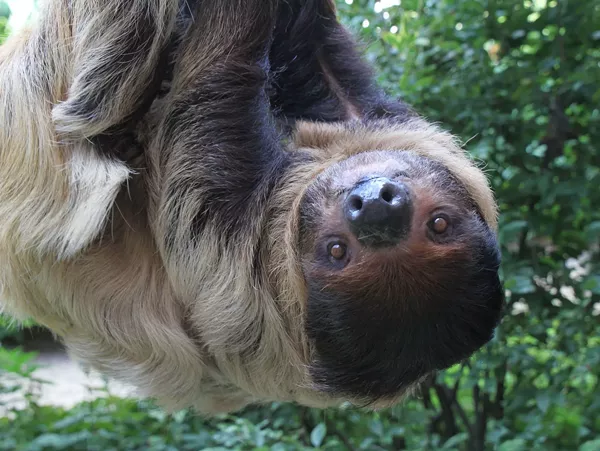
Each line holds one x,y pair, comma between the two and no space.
519,82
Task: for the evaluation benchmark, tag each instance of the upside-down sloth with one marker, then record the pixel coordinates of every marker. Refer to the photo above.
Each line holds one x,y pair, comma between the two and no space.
287,232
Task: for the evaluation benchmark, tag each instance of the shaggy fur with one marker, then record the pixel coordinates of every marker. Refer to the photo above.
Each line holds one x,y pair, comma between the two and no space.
183,271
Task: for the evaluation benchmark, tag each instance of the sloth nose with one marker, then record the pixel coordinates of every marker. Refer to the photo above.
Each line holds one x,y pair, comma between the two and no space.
379,211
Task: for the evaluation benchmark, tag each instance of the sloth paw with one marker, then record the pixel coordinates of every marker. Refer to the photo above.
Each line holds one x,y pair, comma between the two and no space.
75,120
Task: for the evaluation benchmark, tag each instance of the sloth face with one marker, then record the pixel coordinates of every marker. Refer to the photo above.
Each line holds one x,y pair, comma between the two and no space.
402,274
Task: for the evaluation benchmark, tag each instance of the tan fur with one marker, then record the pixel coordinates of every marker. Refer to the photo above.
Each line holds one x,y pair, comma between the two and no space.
417,136
79,247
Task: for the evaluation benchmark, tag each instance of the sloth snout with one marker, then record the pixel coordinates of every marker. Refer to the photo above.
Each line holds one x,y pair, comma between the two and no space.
379,211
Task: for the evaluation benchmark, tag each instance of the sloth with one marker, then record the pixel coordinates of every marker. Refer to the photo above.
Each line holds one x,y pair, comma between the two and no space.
287,231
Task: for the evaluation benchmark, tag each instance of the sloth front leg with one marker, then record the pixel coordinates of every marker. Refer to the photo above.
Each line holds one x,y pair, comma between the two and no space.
319,73
217,154
117,46
213,165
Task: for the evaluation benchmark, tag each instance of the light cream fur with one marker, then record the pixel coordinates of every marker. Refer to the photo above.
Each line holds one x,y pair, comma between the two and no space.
82,236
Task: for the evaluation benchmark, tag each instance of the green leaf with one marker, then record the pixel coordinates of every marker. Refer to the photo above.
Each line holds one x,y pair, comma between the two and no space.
593,231
592,283
520,284
593,445
60,441
16,361
543,400
452,442
514,445
318,434
70,420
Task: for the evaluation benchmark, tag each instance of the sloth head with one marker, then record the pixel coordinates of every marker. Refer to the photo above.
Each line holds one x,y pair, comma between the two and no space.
401,270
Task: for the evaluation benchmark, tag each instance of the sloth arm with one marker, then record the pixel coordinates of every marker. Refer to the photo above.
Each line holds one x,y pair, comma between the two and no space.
313,54
119,49
218,153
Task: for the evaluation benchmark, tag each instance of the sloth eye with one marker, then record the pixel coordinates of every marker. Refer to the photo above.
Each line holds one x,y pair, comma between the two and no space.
338,254
337,251
439,225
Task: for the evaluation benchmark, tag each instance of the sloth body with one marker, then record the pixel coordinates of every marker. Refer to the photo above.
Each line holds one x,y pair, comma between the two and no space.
343,259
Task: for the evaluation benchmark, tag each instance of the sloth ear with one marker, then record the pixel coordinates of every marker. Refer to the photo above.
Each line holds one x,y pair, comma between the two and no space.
118,52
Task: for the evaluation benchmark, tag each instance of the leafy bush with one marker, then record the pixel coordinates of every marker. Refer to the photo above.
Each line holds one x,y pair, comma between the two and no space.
4,15
519,82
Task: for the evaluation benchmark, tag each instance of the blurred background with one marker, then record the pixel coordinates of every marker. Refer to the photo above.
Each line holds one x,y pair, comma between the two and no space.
519,81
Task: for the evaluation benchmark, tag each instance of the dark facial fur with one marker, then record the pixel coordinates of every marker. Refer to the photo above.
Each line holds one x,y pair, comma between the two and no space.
384,317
